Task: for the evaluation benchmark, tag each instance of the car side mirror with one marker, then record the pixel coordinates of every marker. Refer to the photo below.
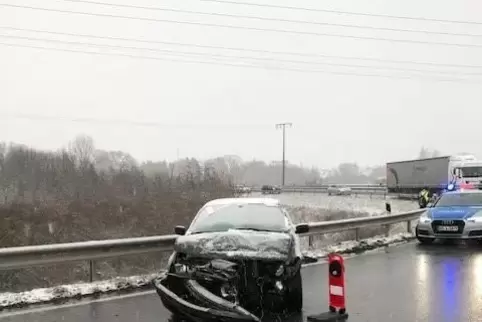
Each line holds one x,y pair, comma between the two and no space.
302,229
180,230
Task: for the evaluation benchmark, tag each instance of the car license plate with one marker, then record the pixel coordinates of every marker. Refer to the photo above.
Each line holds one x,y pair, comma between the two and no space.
447,228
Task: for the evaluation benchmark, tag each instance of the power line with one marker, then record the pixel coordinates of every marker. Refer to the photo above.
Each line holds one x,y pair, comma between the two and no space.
345,12
261,18
259,51
242,66
214,56
34,117
286,31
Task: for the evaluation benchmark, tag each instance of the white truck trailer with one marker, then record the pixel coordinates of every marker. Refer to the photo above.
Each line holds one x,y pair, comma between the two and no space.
433,173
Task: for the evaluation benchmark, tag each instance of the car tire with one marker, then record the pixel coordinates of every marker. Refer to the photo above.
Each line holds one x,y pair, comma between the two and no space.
294,297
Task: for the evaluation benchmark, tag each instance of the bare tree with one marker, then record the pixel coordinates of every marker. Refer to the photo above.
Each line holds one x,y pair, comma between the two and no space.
424,153
428,153
83,149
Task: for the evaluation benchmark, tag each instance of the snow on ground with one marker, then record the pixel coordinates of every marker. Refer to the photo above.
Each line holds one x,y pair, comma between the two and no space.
352,246
360,203
43,295
64,292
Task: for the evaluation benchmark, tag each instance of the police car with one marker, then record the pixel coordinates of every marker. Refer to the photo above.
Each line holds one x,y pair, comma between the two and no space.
456,214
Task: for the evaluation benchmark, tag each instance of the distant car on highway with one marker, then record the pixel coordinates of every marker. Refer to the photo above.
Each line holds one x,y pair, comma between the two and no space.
241,189
270,190
338,190
454,215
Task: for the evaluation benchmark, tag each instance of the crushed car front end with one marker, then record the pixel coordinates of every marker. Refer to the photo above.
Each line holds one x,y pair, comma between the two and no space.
190,299
207,283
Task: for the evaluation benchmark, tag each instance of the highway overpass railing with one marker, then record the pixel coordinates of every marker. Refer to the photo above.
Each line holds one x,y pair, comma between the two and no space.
28,256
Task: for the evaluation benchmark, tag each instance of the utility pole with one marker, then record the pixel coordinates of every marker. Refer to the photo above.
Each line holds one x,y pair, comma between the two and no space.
283,127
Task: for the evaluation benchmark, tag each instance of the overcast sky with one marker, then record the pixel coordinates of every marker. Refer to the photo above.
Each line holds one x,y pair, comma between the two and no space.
159,109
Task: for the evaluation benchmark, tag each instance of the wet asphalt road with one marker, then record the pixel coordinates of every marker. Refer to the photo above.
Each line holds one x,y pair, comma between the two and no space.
439,283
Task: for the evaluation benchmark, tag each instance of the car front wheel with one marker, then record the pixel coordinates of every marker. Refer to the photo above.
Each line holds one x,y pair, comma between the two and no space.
294,298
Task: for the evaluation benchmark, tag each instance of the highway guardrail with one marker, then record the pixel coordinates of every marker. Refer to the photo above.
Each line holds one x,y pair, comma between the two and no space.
325,186
308,189
28,256
373,191
323,189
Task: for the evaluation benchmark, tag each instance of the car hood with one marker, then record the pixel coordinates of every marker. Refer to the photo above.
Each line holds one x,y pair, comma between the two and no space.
237,244
453,212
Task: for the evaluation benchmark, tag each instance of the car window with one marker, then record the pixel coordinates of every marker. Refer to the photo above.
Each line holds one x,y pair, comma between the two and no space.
459,199
245,216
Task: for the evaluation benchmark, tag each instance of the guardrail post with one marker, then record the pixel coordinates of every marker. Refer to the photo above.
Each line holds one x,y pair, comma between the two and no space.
357,234
387,230
409,226
310,241
91,271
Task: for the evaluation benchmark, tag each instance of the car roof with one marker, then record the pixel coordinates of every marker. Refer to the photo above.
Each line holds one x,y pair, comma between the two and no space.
244,201
461,192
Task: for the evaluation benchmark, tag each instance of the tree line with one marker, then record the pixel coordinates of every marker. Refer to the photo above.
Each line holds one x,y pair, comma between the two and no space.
82,172
80,194
258,173
68,188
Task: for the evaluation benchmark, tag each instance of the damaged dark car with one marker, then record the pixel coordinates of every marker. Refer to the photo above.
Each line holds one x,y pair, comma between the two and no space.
239,258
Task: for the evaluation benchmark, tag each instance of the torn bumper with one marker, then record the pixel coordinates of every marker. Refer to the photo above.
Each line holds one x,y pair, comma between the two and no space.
196,302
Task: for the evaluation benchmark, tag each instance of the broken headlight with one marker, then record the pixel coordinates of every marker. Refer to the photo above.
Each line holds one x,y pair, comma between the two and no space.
278,285
180,268
229,291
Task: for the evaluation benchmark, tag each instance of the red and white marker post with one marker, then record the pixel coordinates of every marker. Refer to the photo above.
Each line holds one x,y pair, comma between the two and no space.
336,283
336,292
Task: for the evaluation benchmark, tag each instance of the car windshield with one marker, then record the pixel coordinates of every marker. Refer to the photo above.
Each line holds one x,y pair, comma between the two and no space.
471,172
246,216
459,199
